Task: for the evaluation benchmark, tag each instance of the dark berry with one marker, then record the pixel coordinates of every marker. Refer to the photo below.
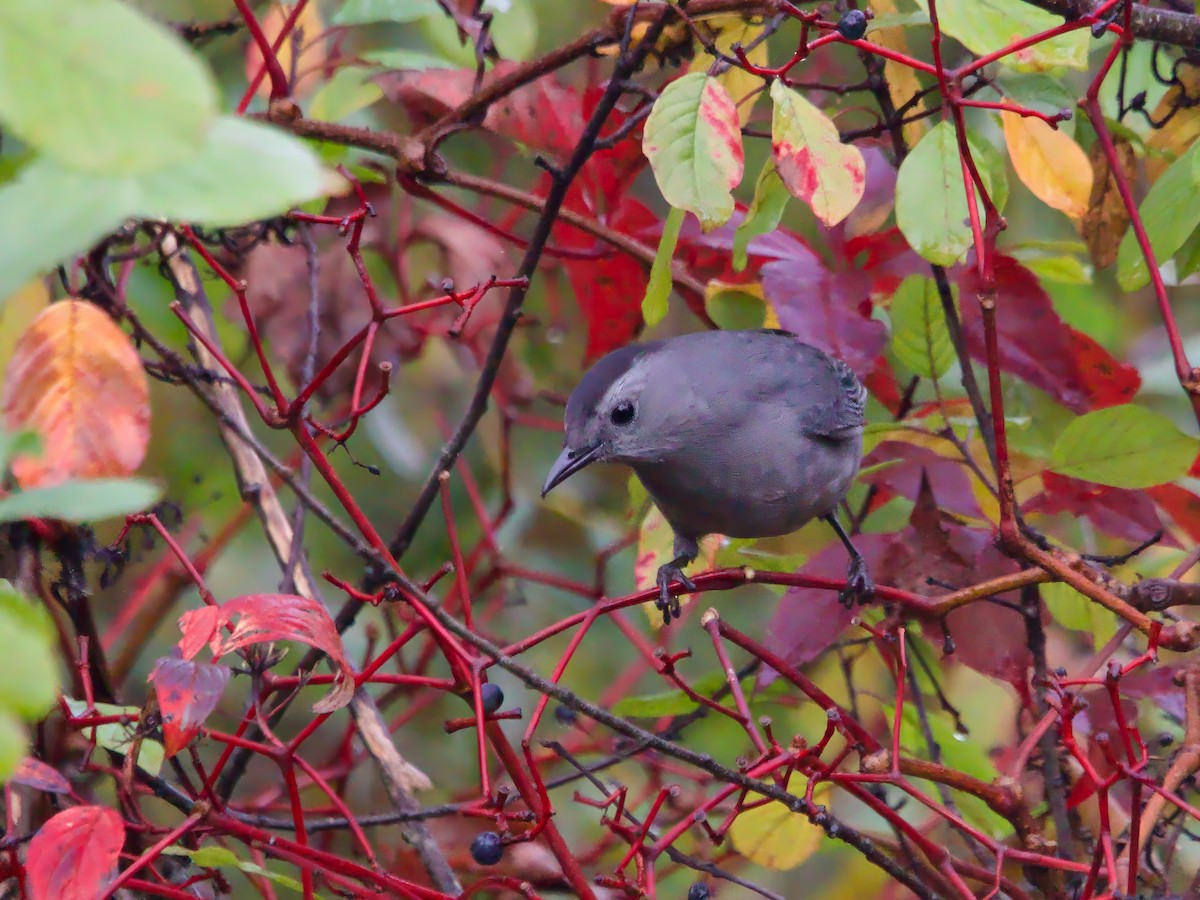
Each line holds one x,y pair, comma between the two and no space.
565,715
698,891
487,848
852,25
493,697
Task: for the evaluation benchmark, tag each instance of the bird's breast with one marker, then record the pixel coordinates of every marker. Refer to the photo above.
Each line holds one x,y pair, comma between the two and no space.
751,488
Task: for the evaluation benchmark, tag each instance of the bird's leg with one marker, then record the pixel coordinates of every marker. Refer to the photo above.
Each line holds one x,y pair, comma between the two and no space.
686,549
859,583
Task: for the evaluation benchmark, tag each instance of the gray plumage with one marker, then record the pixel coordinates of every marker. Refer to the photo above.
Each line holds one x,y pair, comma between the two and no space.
743,433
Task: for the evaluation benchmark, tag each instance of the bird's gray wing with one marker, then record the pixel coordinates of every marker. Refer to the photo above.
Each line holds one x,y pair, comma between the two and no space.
830,399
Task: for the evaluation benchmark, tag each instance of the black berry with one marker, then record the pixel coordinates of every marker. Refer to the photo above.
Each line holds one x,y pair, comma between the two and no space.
852,25
698,891
565,715
487,848
493,697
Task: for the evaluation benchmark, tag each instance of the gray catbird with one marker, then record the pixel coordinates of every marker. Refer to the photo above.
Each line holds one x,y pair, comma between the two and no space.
742,433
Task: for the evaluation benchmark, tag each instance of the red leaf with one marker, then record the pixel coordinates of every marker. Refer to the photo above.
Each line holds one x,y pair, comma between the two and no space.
1035,344
36,774
1107,381
74,855
1080,791
1129,515
1181,505
271,617
881,382
187,693
807,620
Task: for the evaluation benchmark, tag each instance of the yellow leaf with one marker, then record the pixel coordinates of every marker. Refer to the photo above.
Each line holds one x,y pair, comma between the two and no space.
777,838
1182,128
726,30
901,79
655,548
1049,162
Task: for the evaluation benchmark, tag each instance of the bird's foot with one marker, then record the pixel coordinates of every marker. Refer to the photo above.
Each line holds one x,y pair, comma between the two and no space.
859,583
668,605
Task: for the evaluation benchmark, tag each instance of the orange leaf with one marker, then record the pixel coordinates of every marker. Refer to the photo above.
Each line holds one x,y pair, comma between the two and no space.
305,70
75,378
1049,162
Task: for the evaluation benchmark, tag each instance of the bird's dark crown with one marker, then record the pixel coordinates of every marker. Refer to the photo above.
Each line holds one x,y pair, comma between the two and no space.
595,384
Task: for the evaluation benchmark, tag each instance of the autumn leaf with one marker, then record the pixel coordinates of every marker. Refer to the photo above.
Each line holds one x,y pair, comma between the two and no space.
694,143
811,159
307,64
187,692
725,31
1179,111
1049,163
263,618
1104,223
74,855
75,378
777,838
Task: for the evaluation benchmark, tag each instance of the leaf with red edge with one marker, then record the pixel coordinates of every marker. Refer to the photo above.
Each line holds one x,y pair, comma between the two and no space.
1108,381
1120,512
36,774
808,620
811,159
263,618
1035,344
1181,505
187,692
74,855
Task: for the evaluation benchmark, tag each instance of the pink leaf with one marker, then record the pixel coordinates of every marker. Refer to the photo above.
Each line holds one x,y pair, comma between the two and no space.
36,774
74,855
187,693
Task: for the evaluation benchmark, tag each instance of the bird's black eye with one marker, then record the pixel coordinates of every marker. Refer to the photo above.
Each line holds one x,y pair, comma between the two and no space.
622,413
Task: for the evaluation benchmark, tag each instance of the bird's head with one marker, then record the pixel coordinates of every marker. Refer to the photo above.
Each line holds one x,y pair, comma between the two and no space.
613,415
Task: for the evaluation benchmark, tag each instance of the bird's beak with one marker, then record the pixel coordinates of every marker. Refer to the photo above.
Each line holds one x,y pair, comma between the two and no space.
568,463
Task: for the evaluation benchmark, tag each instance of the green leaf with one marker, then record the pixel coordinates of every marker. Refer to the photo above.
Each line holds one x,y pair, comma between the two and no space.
49,213
1062,269
920,338
959,753
1073,610
29,677
81,501
674,703
241,171
765,213
14,744
348,91
119,737
694,143
1124,446
985,26
244,171
18,443
811,159
658,287
99,87
931,201
733,309
411,60
1169,213
217,857
360,12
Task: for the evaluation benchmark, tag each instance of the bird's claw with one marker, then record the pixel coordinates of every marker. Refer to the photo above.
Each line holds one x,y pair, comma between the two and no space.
667,604
860,585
